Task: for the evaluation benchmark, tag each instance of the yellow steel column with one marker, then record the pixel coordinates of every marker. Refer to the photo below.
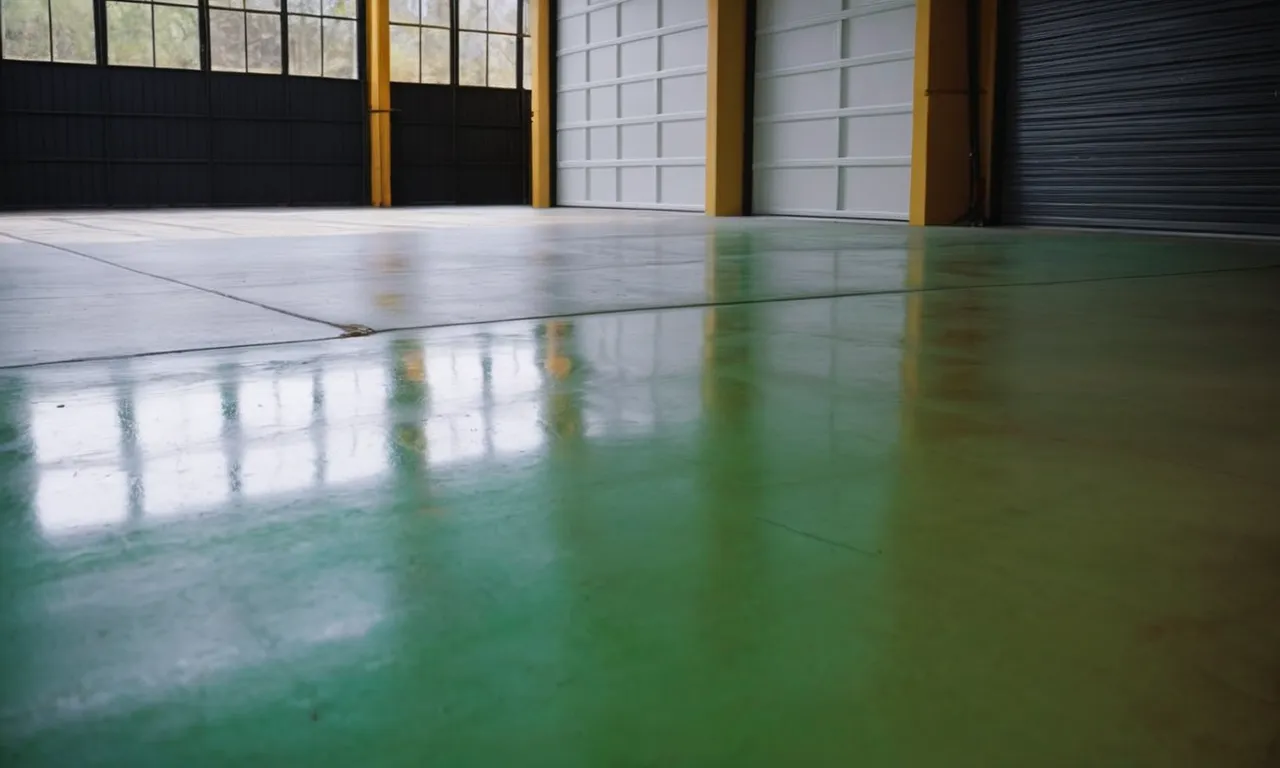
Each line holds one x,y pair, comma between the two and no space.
543,132
940,133
378,69
727,43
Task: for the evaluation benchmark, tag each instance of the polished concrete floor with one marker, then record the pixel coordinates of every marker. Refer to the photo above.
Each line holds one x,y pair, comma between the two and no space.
507,488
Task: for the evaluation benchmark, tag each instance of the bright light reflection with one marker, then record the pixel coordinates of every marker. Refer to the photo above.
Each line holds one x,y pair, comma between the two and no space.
83,427
81,498
454,438
514,370
279,466
357,453
184,483
516,428
279,404
351,393
177,419
455,376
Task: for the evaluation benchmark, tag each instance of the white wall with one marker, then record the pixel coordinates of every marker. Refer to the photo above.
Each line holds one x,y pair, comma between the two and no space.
834,84
631,110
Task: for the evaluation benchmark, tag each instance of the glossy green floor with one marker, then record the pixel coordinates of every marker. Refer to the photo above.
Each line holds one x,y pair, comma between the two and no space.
823,495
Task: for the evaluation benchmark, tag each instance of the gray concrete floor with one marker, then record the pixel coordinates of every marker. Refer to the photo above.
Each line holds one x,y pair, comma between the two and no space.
100,285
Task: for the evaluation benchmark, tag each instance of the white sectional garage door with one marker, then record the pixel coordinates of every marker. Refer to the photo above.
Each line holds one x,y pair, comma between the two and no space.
631,109
834,82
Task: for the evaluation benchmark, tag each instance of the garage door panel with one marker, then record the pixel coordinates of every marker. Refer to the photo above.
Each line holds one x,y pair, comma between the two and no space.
571,144
801,47
1144,115
789,95
639,141
686,93
683,186
882,31
640,57
833,101
879,135
639,184
796,140
874,192
640,15
602,103
777,14
797,191
639,99
683,138
880,83
643,75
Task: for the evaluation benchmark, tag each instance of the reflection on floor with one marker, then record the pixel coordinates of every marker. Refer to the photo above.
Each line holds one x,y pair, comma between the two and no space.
1010,501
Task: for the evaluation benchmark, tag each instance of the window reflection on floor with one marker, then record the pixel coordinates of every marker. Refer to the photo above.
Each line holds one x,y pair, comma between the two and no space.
245,433
79,427
184,483
80,498
282,465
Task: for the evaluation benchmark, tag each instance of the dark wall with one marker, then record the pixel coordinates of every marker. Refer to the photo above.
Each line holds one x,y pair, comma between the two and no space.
76,136
459,145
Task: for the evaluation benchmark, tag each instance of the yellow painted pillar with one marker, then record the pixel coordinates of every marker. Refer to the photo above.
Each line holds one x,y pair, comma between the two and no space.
727,33
940,184
378,69
543,132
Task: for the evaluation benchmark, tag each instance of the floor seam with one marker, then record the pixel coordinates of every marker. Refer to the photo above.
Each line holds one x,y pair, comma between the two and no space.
347,329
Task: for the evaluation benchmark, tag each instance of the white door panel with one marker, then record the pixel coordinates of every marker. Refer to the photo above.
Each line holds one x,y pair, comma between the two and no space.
834,86
631,103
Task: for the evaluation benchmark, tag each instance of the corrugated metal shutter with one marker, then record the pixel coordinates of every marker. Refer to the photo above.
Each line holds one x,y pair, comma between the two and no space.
1145,114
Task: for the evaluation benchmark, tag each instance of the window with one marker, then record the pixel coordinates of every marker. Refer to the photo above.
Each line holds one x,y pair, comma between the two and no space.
141,33
420,41
488,42
48,30
322,38
244,36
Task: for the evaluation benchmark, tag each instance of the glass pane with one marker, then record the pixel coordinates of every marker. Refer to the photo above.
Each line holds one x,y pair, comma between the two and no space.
26,29
181,2
502,61
263,36
524,30
471,58
526,61
435,56
226,40
403,11
177,38
343,8
435,12
262,5
226,3
304,45
73,31
303,6
472,14
339,48
502,15
404,54
129,34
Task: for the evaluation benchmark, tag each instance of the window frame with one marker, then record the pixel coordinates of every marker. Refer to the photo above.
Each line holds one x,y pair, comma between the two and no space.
284,12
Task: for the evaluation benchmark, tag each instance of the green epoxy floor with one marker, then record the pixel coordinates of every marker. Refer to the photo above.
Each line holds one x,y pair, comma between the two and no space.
740,493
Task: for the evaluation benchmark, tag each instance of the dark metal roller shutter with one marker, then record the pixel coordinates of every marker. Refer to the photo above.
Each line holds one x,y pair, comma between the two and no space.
1149,114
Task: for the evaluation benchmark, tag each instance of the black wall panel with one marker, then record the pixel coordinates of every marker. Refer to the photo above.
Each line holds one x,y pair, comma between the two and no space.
1143,114
75,136
459,145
